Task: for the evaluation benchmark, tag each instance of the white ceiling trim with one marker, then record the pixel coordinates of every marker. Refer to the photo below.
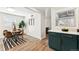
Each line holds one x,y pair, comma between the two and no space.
33,9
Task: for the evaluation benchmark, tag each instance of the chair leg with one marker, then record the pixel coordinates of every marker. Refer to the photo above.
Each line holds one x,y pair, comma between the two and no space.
21,38
18,41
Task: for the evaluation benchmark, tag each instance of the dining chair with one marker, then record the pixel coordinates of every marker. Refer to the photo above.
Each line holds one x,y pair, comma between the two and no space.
8,42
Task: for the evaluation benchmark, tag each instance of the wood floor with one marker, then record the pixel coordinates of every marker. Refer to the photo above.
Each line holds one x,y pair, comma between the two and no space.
32,44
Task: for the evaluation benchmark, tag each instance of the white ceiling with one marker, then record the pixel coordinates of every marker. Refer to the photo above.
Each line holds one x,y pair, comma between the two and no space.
43,10
34,9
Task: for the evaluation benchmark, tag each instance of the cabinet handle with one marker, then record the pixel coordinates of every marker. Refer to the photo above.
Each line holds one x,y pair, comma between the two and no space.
68,36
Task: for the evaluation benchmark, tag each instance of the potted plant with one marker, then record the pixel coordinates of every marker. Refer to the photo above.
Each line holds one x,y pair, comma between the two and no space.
22,24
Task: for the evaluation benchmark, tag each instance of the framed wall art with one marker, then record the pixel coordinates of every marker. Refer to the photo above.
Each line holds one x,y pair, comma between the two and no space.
66,18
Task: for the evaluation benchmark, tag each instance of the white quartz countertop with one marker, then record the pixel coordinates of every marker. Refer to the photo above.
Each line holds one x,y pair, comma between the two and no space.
75,33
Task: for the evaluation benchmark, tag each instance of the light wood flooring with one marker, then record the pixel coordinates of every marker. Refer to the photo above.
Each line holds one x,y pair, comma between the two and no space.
32,44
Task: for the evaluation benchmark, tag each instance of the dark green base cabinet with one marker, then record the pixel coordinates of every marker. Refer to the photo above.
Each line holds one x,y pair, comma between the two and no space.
63,42
78,42
69,42
54,41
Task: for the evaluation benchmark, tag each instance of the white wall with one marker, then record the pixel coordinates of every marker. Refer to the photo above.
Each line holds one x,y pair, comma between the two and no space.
53,19
43,32
48,17
45,22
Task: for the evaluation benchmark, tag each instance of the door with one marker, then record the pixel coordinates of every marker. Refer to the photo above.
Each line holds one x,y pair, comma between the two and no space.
54,41
78,42
69,42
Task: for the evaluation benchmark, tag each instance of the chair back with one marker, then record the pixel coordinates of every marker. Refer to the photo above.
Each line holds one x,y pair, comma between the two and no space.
7,34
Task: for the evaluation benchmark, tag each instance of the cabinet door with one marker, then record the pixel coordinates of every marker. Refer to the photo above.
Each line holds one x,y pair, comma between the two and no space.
78,42
50,40
69,42
54,41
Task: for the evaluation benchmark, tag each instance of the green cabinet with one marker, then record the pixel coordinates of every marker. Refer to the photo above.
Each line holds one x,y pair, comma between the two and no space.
54,41
69,42
78,42
63,42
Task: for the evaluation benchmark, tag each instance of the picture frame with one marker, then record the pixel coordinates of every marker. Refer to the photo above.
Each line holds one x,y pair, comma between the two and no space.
66,18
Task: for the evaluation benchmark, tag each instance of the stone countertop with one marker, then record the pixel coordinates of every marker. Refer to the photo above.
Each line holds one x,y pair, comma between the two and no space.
75,33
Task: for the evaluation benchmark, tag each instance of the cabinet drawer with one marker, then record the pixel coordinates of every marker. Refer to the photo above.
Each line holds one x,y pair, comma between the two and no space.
69,36
54,34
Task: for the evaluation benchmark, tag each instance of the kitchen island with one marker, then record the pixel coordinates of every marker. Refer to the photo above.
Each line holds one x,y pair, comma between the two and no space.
63,41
